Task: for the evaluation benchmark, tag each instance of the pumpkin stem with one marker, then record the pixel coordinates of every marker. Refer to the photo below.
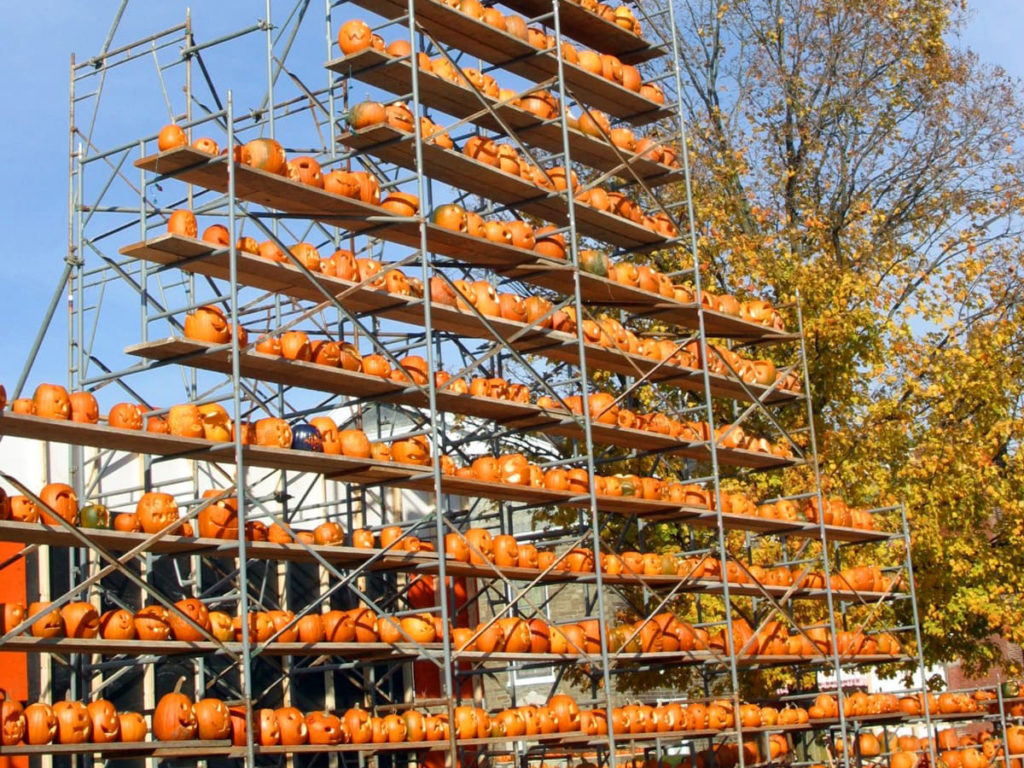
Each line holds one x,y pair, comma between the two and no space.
177,685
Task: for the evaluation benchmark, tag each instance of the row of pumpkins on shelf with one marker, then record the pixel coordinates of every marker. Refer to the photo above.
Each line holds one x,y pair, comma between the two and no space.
507,159
209,324
211,421
478,547
178,718
355,36
662,633
984,750
545,241
268,155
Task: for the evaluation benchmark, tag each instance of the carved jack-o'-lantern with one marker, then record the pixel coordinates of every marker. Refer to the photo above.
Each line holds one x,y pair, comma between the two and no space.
61,498
216,422
185,421
125,416
273,433
156,511
208,323
84,408
52,401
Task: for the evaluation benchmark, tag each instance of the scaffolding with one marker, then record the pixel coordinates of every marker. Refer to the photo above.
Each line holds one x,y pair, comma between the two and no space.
661,394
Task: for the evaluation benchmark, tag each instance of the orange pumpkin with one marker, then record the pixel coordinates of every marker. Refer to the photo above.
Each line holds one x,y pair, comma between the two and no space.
133,726
60,498
325,728
74,726
174,717
106,726
125,416
40,724
52,401
80,620
156,511
84,408
273,433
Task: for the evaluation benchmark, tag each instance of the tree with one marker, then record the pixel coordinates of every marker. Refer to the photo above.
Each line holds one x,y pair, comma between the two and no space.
851,152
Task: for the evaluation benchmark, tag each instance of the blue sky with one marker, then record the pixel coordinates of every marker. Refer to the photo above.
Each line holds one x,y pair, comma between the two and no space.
41,36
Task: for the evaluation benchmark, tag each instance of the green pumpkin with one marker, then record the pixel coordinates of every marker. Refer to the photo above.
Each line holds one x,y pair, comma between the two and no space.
1010,689
595,262
94,516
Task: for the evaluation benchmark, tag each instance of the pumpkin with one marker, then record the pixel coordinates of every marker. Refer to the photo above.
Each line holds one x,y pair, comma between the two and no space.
59,498
74,726
151,623
171,136
52,401
80,620
133,726
84,408
185,421
106,726
208,323
566,713
266,155
117,624
24,405
40,724
94,516
414,450
11,615
182,629
12,721
156,511
305,170
354,36
273,433
325,728
50,625
291,726
174,718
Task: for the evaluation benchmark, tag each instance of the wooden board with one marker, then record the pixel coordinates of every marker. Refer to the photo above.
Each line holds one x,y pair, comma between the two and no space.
458,170
557,346
527,62
202,258
590,29
460,102
123,541
307,375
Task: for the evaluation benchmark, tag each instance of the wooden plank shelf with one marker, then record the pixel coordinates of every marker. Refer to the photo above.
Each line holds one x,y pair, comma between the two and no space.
123,541
202,258
557,346
395,76
590,29
379,652
360,471
427,562
523,59
458,170
522,416
193,750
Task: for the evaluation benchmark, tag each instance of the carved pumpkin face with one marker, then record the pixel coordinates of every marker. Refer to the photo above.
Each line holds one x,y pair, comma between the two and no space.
216,422
24,510
156,511
324,728
74,726
133,726
106,726
12,722
52,401
125,416
185,421
60,498
273,433
221,627
117,624
40,724
151,623
209,324
292,726
174,718
415,450
84,408
328,434
197,612
80,620
213,720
